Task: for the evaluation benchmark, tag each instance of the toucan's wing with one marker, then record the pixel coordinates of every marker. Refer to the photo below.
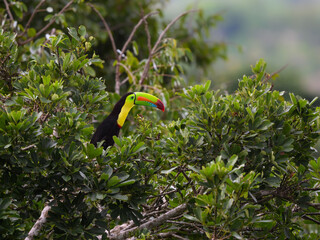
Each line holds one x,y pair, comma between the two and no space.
105,132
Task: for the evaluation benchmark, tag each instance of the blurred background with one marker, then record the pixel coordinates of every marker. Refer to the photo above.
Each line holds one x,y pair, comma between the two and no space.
283,33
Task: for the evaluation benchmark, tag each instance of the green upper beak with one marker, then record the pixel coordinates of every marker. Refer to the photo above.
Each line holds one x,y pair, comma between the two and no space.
146,99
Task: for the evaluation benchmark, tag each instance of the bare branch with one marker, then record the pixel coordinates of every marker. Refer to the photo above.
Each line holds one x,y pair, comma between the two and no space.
31,18
106,26
311,189
28,147
146,28
8,10
153,51
274,73
311,219
39,223
117,78
150,224
124,48
48,25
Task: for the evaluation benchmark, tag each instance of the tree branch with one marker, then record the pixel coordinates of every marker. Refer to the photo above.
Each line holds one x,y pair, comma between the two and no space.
146,28
124,48
310,219
31,18
153,51
48,25
106,26
150,224
39,223
8,10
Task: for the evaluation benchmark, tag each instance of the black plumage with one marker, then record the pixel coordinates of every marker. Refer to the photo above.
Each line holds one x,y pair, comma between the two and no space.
109,127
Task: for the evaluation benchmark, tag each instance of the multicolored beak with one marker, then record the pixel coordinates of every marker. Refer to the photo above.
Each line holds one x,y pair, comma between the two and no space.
146,99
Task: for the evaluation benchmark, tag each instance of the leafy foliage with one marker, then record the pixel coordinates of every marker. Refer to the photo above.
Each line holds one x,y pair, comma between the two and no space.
243,164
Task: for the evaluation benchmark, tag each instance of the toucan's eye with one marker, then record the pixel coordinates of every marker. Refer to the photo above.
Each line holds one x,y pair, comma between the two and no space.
132,97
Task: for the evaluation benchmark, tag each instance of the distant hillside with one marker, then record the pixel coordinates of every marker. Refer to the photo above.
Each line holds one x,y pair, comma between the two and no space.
281,32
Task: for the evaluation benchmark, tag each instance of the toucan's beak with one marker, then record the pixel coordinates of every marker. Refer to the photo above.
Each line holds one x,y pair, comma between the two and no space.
146,99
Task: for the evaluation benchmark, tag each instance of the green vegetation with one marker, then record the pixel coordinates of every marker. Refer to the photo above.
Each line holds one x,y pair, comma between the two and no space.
214,166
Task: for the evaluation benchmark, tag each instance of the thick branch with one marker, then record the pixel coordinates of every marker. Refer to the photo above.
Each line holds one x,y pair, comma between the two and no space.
153,51
8,10
48,25
39,223
150,224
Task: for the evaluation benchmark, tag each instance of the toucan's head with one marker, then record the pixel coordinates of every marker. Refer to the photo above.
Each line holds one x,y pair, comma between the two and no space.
144,99
137,98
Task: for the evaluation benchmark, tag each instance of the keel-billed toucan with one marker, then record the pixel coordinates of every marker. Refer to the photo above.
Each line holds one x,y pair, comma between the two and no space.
111,125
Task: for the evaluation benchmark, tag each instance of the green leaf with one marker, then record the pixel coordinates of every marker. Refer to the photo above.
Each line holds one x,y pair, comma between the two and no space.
31,32
48,17
169,170
66,178
126,183
120,197
66,61
293,98
5,203
73,33
191,218
251,114
93,152
117,141
265,125
207,85
139,147
82,31
113,181
232,161
135,48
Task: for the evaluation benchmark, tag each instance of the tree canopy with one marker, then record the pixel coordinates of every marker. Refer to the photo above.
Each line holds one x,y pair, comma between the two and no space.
214,166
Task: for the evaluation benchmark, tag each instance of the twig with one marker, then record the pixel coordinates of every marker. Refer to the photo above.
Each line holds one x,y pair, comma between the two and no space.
150,224
146,28
39,223
179,237
31,18
153,51
180,223
106,26
48,25
117,78
313,213
315,205
124,48
189,181
311,219
311,189
274,73
8,10
28,147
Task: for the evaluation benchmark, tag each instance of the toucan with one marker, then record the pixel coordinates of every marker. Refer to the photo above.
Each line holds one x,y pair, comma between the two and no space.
112,124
